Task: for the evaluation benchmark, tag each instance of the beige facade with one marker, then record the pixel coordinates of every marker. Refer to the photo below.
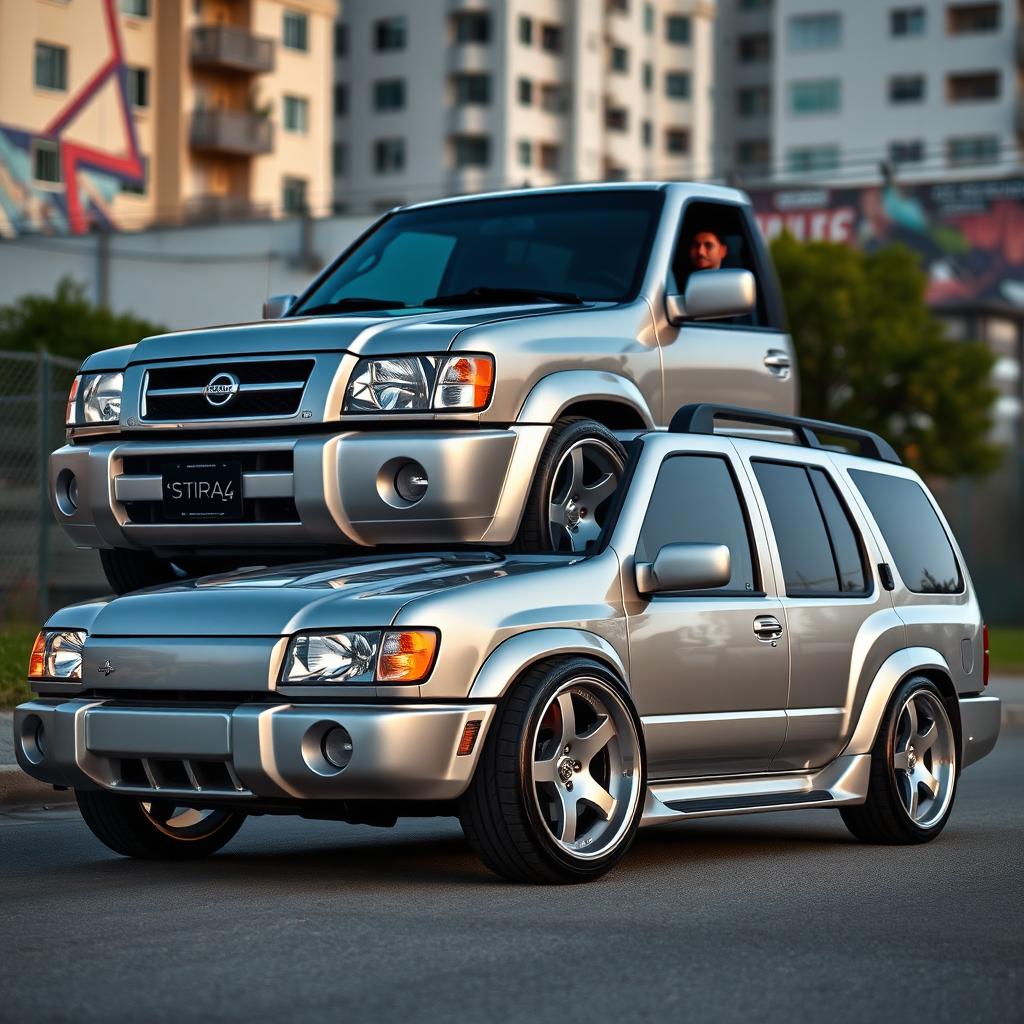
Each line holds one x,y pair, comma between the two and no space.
227,105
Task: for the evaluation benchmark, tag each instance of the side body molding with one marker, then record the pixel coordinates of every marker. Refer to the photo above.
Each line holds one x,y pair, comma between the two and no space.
552,394
517,653
894,670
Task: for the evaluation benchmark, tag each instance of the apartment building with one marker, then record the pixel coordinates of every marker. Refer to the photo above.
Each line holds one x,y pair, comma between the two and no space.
125,113
434,97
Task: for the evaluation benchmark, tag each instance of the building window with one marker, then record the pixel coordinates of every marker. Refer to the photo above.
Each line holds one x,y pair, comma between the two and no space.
969,19
754,153
472,90
472,27
906,152
677,85
525,149
389,34
472,150
296,31
551,38
677,29
818,96
806,159
389,94
550,157
339,159
525,30
972,149
296,114
553,99
525,92
677,141
136,8
46,160
649,18
51,66
755,48
754,101
906,89
648,76
293,195
137,81
755,5
907,21
616,119
973,88
815,32
389,156
620,59
647,134
137,188
340,100
340,39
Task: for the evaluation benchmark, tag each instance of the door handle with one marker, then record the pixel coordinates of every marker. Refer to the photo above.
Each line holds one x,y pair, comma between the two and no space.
777,362
767,628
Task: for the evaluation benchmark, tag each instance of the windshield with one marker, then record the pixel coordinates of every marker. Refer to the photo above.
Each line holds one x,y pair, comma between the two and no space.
567,246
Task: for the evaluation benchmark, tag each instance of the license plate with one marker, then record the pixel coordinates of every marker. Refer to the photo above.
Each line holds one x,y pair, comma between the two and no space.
203,490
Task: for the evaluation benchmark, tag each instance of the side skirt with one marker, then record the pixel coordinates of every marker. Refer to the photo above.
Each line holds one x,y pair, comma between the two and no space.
844,781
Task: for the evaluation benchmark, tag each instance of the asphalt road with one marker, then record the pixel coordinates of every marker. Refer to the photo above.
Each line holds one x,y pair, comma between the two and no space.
766,918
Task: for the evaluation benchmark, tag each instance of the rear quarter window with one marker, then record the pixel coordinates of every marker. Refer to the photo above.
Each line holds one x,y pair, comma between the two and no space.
912,531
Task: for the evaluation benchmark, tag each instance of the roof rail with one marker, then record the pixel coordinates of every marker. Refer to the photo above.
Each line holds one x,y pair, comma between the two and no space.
700,419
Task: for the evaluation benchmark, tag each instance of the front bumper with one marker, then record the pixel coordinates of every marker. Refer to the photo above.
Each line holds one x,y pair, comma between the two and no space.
292,489
249,751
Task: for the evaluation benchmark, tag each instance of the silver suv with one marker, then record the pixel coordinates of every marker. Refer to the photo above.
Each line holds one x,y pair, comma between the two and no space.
760,626
464,374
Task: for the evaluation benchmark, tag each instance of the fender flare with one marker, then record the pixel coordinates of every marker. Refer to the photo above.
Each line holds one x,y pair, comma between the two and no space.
894,670
553,394
511,657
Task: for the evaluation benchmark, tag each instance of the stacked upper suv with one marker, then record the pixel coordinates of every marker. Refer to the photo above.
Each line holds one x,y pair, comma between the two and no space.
465,373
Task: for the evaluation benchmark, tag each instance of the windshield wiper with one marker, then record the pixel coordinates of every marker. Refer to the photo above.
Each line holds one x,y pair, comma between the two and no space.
483,295
351,304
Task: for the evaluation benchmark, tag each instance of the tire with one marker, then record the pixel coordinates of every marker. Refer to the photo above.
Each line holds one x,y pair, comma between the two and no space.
536,812
133,570
915,767
580,487
155,830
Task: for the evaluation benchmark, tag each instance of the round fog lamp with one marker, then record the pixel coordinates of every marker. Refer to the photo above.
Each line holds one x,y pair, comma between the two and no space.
337,746
411,482
73,491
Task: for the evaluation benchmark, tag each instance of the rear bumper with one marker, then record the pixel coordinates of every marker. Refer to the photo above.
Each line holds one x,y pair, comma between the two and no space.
979,724
478,481
246,752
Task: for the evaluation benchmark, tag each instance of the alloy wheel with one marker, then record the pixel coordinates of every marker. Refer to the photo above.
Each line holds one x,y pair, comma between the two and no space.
183,822
924,758
584,480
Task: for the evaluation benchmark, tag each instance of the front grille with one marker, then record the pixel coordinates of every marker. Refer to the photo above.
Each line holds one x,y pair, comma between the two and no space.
262,388
254,510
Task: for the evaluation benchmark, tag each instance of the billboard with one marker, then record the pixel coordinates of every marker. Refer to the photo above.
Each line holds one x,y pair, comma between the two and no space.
969,234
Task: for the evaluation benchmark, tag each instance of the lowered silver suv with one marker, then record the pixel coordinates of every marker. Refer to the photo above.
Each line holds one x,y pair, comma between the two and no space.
464,374
760,626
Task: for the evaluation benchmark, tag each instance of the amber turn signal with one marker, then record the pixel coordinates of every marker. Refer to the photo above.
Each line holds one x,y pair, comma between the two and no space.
37,660
406,656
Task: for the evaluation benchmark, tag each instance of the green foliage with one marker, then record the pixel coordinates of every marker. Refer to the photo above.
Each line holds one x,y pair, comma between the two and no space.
68,324
871,354
15,647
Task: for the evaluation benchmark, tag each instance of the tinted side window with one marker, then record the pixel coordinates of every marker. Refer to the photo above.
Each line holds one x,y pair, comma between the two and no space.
846,549
695,501
912,530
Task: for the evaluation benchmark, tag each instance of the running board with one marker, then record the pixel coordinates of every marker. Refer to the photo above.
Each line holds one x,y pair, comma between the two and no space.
844,781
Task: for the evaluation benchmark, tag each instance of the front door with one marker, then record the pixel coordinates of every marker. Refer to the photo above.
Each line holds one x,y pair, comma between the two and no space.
710,670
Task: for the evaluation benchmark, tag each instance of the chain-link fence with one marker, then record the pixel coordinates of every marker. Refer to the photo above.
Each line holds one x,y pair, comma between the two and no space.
39,567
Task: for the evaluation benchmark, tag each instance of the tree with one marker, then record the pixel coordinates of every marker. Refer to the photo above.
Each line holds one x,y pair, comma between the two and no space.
872,355
68,324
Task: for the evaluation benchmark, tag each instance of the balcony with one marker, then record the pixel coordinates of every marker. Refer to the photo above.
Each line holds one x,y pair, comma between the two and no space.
235,132
230,48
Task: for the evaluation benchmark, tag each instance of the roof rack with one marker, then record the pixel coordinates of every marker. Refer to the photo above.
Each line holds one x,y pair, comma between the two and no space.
700,419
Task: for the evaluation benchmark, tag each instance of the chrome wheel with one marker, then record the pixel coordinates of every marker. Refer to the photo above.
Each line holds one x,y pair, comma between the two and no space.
584,480
585,772
186,823
924,758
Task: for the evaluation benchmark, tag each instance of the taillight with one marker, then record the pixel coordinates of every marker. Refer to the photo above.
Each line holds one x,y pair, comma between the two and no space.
984,660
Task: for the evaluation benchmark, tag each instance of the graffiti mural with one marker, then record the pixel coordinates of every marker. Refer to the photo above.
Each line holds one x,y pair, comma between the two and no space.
91,177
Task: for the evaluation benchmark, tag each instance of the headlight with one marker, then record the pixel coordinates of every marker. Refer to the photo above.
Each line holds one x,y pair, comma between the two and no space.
362,656
420,383
95,398
57,654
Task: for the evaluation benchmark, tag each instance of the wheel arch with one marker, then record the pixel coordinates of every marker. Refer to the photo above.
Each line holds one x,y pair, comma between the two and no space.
610,399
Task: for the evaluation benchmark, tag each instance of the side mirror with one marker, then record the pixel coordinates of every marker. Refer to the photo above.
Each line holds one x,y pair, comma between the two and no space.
685,567
276,306
712,294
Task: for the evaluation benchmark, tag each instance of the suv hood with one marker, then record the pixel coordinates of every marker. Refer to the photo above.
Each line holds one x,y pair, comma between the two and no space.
358,333
349,593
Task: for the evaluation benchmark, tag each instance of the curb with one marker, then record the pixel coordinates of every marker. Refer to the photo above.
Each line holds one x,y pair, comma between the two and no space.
18,788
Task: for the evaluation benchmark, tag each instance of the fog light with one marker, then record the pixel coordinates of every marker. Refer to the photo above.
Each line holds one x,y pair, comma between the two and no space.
66,492
411,482
33,739
73,491
337,746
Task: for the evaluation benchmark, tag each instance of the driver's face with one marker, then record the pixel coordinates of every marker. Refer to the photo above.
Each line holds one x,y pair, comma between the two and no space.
706,251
